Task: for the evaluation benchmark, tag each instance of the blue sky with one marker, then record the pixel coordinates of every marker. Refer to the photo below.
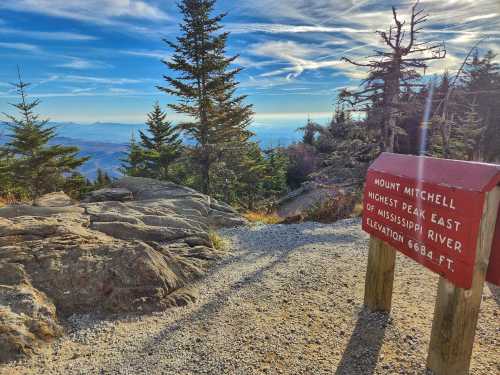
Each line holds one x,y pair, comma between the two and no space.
99,60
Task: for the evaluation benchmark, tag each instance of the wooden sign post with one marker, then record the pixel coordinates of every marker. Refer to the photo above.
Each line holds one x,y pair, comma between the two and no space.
443,214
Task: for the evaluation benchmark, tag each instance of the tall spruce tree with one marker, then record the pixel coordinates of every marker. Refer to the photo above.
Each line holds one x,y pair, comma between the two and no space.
35,165
161,146
205,84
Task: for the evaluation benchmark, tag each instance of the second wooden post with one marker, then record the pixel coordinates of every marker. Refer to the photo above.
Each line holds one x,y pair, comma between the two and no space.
457,309
379,275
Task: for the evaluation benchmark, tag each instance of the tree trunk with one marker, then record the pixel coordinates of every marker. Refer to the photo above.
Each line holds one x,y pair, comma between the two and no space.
205,176
391,107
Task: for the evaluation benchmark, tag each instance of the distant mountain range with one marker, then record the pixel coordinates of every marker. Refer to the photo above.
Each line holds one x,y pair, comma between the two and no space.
103,155
106,143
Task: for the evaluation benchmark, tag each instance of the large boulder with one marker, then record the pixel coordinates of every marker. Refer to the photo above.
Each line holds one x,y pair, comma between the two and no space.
84,270
107,257
56,199
27,317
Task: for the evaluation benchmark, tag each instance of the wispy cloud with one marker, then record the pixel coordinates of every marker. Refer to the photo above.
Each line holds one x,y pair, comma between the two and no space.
81,64
296,55
97,11
47,35
154,54
20,46
100,80
460,23
241,28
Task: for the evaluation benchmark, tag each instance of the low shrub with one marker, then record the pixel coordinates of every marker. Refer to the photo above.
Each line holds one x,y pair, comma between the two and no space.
262,217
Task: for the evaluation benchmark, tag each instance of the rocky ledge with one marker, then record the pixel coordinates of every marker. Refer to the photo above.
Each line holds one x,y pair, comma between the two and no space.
132,248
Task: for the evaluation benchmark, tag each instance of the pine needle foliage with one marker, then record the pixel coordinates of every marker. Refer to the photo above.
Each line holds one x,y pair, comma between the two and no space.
162,146
34,164
205,84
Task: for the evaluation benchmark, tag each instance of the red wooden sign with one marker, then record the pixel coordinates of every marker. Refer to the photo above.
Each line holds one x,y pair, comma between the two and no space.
430,210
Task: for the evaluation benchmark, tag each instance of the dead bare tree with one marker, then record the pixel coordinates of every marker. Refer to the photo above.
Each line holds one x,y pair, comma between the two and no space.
393,70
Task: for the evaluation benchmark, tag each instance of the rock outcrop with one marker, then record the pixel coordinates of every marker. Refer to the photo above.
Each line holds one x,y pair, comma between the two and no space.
302,200
318,202
131,256
109,194
56,199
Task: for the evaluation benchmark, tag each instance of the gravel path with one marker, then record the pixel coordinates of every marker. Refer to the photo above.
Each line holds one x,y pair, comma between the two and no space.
287,301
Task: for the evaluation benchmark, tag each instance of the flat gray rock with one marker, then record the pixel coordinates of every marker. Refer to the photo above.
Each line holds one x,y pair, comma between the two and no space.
109,194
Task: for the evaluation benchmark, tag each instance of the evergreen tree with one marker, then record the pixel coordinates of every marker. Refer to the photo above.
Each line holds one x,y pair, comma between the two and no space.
206,87
277,165
102,179
468,141
253,176
6,174
35,165
134,163
77,185
481,90
162,146
466,121
309,131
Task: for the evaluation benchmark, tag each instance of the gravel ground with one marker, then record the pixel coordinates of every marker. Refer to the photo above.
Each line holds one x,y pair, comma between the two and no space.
288,300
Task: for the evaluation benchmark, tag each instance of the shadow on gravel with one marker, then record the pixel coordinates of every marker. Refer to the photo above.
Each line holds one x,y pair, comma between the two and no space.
495,292
204,312
362,351
201,315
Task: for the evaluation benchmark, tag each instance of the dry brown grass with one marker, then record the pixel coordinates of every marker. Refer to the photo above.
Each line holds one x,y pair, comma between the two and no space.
217,241
263,217
357,211
14,197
